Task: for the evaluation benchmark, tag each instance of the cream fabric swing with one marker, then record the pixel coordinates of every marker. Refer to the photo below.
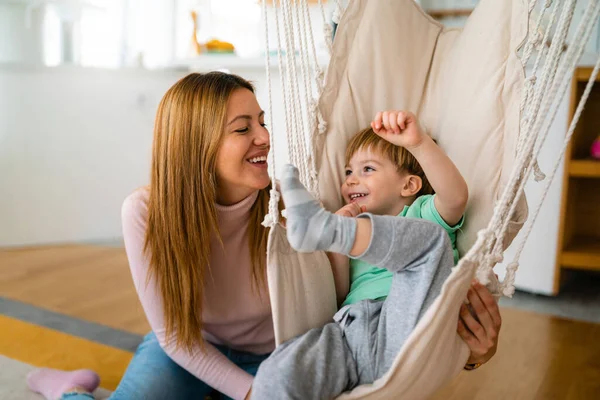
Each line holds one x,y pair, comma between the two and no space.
474,94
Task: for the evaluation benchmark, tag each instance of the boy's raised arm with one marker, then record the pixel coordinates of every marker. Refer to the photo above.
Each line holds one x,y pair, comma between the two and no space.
402,129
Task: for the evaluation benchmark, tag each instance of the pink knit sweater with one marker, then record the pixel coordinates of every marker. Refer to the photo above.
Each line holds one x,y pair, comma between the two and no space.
233,315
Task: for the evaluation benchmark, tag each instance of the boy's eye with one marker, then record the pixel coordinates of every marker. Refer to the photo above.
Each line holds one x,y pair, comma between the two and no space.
369,169
348,172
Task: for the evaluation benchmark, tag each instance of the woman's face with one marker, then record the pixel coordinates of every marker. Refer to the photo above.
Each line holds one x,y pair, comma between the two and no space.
242,157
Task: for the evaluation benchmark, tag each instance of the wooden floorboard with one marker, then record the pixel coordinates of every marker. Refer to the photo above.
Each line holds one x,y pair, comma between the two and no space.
87,282
539,356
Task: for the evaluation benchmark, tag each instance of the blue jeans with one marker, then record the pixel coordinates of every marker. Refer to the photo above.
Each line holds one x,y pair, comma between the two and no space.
152,375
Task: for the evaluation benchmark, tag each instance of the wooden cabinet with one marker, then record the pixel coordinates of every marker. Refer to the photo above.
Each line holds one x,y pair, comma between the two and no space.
579,230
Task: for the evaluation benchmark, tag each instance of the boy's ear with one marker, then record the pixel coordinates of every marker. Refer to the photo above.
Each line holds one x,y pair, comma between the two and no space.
412,186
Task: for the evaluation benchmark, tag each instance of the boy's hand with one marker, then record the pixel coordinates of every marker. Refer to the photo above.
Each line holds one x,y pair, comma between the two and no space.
398,127
351,210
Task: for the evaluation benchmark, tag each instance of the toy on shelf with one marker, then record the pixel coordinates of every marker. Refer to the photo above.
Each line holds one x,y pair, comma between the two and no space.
213,46
595,150
196,47
219,46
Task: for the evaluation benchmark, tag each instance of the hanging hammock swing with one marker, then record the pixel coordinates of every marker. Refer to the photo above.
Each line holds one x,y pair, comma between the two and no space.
488,93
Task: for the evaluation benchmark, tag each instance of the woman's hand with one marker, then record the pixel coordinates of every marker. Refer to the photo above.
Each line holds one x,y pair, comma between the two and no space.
479,328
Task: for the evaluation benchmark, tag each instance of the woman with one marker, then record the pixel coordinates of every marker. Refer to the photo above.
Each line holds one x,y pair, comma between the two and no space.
196,249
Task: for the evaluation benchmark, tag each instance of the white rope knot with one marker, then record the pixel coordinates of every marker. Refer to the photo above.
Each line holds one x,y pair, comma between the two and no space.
275,196
538,174
337,12
537,38
512,267
322,123
484,235
320,75
495,258
508,286
530,80
508,291
336,16
269,221
483,276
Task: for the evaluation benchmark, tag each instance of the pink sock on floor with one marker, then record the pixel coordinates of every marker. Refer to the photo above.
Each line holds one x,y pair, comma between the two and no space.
52,383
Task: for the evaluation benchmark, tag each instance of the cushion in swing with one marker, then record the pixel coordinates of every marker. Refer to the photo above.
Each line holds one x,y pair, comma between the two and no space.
465,86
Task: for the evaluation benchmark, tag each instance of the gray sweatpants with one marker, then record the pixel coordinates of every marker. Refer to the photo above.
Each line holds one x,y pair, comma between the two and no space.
360,345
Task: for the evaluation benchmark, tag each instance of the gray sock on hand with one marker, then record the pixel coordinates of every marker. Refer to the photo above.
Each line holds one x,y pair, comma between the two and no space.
309,226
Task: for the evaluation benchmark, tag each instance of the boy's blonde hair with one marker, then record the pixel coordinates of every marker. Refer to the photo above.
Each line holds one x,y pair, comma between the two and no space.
402,158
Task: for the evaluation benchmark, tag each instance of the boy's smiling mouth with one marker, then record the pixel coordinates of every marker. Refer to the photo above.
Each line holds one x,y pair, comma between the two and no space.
357,196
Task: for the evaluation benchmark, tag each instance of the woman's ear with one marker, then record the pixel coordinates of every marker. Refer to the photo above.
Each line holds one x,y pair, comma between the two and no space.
412,186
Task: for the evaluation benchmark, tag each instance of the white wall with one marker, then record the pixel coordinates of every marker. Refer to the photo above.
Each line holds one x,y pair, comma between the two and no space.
75,142
17,42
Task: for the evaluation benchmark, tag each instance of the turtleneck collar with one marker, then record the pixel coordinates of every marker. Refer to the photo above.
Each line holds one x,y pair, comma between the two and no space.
238,210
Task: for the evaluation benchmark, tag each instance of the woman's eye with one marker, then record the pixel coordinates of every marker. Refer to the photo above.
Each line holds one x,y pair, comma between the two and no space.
242,130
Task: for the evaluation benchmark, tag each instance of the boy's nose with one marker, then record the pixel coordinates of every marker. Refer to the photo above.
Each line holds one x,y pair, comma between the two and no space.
352,180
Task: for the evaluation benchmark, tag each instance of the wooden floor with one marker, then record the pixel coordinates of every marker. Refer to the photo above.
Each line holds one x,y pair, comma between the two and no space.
539,357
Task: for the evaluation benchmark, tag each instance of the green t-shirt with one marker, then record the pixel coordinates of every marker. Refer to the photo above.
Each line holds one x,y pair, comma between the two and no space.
370,282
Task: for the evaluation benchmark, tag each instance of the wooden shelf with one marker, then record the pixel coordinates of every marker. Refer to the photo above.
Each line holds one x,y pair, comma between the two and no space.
584,168
450,13
583,253
583,74
579,224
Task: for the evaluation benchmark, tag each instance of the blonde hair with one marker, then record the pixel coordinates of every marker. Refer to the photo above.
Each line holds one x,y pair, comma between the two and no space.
182,216
405,162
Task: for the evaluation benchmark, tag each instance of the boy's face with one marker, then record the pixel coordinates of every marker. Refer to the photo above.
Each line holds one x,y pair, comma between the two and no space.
372,180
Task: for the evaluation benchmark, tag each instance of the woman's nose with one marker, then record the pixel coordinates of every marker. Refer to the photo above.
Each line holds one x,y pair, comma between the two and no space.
262,137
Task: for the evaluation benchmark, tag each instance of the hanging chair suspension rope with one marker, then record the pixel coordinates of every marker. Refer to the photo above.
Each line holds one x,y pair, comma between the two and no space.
319,75
290,73
531,130
491,253
273,216
299,121
555,91
522,156
572,55
285,91
297,128
327,31
309,104
536,40
568,66
306,126
511,269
